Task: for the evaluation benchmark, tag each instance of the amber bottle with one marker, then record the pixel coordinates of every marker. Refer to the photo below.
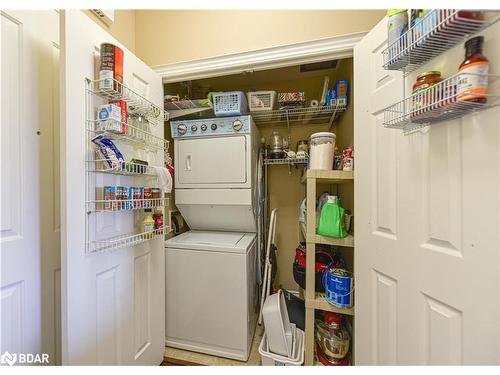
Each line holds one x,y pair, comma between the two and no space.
473,87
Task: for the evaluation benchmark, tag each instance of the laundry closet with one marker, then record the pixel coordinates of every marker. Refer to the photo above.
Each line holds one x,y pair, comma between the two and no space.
284,179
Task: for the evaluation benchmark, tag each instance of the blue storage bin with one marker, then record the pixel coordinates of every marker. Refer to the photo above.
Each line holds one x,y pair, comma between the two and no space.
231,103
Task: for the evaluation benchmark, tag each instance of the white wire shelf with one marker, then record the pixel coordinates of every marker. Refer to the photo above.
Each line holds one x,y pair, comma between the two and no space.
302,115
440,102
286,161
111,89
116,205
182,108
126,168
438,31
125,240
131,134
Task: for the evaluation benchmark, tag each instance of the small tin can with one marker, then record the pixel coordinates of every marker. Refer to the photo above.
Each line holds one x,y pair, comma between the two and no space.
148,195
337,162
110,194
156,194
137,197
348,164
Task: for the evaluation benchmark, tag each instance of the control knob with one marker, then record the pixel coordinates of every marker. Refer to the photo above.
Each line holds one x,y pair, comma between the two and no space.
237,125
182,129
194,128
203,127
213,126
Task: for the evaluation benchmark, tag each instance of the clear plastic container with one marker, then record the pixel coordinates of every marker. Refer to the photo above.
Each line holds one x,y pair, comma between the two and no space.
322,150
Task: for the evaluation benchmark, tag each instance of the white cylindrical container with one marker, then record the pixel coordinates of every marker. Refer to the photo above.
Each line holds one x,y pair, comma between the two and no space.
397,24
322,147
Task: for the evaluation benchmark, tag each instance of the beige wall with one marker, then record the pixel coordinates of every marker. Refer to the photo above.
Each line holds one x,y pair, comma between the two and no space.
169,36
123,29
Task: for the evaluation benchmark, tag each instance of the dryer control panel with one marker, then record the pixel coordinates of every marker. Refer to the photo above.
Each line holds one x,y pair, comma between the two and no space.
211,127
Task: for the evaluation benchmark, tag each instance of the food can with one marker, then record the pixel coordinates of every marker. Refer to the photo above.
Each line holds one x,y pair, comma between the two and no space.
156,193
137,197
111,69
110,195
148,195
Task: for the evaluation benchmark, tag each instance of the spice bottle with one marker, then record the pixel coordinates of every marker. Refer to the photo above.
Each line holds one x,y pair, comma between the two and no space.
473,87
148,224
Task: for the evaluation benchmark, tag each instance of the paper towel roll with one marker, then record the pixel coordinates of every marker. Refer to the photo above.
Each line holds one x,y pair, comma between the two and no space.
314,103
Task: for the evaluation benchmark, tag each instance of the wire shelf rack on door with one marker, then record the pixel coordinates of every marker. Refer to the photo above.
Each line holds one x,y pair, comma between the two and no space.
438,31
126,240
125,168
443,101
137,104
137,135
115,205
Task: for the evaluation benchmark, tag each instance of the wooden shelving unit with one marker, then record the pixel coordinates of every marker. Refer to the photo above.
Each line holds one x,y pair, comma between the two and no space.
313,300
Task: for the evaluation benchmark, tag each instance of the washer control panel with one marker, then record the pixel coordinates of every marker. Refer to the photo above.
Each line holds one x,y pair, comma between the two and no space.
210,127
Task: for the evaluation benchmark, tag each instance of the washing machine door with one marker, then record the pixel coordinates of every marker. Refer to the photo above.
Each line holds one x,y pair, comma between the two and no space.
213,162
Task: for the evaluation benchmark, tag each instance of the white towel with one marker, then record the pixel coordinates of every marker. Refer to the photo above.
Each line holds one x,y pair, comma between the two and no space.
165,179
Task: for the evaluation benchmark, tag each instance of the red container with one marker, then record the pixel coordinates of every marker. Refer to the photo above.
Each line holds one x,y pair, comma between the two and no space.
111,69
124,113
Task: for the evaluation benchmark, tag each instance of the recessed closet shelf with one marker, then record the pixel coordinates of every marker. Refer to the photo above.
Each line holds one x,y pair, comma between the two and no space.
286,161
299,115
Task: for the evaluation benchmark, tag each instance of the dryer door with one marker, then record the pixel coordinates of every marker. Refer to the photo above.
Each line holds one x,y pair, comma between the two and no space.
212,162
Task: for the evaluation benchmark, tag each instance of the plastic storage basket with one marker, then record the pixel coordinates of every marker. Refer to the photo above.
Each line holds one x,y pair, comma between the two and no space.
261,100
232,103
270,359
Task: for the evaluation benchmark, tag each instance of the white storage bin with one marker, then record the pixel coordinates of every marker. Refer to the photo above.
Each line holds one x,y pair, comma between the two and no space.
261,100
277,325
231,103
270,359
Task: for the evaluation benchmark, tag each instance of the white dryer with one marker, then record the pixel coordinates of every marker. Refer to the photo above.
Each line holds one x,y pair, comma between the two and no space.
215,164
211,291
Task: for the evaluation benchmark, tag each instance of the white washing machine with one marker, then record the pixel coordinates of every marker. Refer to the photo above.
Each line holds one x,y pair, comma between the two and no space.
211,291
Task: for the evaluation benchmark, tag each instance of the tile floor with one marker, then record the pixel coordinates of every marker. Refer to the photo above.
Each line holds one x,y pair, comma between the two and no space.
209,360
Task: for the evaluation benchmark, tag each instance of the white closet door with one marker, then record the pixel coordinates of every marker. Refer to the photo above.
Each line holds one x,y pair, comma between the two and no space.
427,226
114,302
29,222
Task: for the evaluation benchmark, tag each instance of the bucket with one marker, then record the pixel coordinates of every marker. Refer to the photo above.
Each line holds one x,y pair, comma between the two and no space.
339,286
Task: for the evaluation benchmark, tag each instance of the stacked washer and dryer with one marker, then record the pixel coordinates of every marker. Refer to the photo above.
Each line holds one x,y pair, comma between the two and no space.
211,286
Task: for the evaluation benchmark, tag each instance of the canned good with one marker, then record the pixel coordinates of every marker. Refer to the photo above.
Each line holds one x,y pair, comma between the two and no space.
148,195
110,194
111,69
156,194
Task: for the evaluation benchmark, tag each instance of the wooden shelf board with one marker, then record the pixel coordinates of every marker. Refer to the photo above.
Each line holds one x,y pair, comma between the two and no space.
320,303
316,238
328,176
